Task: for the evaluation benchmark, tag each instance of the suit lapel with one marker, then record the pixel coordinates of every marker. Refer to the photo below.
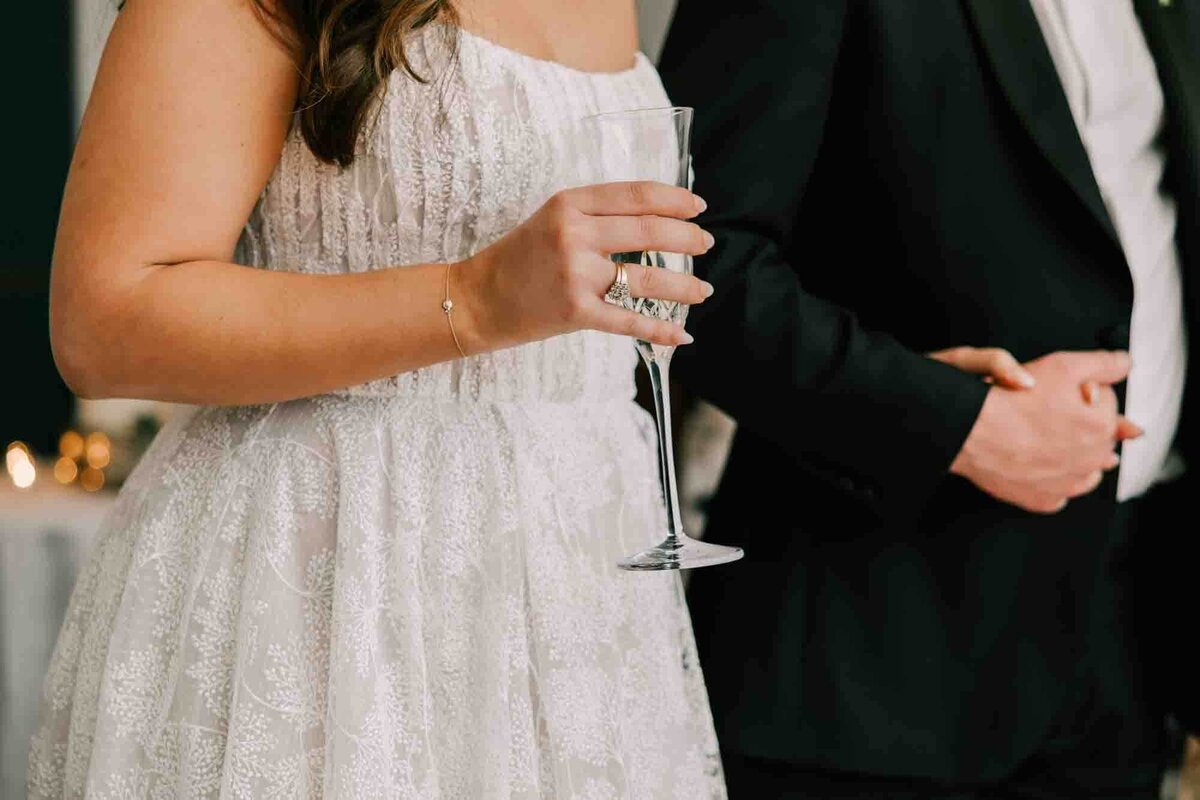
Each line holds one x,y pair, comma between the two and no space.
1018,54
1172,40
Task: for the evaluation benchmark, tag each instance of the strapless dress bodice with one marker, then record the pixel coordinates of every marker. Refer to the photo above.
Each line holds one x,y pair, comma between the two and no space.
448,167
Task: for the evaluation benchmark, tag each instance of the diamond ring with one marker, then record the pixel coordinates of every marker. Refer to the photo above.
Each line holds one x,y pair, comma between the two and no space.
618,293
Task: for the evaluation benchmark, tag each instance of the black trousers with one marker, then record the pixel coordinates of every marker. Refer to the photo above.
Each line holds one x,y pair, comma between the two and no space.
1111,738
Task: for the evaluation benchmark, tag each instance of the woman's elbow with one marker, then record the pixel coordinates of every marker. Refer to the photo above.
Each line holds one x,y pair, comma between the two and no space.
76,362
77,344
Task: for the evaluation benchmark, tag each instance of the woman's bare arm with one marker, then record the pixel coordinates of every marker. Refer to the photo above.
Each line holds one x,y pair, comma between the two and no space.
187,119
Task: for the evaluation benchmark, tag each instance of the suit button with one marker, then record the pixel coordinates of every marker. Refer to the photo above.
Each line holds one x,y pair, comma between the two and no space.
1115,337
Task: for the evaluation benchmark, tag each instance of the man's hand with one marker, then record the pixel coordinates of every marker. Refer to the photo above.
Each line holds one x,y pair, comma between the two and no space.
995,364
1039,447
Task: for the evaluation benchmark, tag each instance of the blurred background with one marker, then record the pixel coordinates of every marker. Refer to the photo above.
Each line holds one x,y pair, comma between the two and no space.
45,524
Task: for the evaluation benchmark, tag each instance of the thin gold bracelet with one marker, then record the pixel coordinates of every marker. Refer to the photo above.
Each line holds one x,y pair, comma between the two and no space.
448,306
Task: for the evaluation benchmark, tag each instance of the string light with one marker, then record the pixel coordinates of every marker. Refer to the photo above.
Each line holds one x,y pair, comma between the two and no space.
99,450
80,458
70,445
24,474
20,466
65,470
91,479
16,451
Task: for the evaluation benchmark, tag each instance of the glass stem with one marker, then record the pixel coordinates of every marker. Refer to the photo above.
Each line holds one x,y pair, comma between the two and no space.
659,367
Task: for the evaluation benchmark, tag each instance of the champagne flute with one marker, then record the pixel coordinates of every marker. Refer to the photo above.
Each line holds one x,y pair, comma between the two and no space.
653,144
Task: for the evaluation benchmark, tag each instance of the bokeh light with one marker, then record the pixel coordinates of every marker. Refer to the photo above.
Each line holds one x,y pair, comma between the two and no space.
65,470
70,445
15,453
91,479
19,462
99,450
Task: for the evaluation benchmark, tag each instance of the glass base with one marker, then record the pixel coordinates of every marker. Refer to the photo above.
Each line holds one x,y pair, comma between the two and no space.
681,554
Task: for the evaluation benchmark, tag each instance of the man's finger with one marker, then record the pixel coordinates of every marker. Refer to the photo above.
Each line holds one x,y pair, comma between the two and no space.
1102,366
1045,504
995,363
1127,429
1008,370
1090,390
1087,485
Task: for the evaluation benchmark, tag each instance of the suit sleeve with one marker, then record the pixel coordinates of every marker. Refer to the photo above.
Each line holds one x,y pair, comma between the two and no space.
854,407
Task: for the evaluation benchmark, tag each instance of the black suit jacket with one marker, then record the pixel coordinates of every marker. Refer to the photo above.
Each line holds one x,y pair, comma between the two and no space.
886,178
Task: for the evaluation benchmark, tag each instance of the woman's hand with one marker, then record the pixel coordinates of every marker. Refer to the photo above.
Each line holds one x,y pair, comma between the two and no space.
994,363
549,275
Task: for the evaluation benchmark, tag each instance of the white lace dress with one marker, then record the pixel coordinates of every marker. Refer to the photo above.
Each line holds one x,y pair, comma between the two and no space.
408,588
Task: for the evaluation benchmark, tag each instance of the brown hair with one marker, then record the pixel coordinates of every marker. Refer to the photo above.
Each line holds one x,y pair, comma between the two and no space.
345,49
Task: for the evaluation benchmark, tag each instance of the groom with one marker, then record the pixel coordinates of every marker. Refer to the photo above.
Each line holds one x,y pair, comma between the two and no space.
950,589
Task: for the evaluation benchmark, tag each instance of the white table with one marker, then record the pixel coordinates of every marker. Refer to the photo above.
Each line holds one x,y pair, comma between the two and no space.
45,536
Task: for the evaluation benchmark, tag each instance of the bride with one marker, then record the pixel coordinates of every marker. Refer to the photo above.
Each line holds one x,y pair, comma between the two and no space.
376,555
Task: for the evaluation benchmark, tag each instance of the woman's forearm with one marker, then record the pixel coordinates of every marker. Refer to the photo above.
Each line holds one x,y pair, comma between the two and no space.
208,332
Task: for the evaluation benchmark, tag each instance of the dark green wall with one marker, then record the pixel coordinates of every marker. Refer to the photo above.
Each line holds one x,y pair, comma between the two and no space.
36,132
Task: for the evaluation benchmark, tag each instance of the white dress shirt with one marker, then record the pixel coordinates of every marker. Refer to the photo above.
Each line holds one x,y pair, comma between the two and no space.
1112,87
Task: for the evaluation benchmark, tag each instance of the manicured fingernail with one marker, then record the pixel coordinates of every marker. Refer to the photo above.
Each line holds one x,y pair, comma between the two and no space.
701,205
1061,506
1114,461
709,241
707,288
688,338
1026,380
